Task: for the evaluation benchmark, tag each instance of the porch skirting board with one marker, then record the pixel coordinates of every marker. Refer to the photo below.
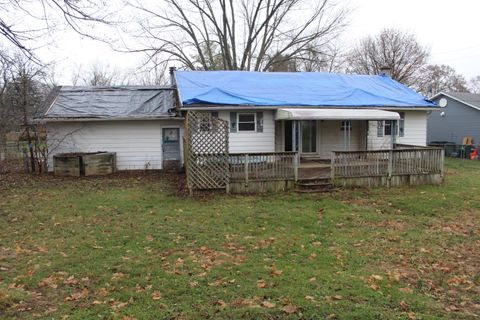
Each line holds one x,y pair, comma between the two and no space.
261,186
394,181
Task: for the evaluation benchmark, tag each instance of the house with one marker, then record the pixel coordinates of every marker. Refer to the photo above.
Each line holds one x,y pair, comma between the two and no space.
459,118
138,123
335,121
251,131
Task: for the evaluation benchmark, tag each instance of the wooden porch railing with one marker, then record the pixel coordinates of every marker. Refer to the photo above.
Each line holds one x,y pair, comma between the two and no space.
245,167
411,161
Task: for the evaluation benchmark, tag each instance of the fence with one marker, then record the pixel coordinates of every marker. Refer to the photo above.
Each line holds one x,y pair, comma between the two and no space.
262,166
13,158
206,152
260,172
388,167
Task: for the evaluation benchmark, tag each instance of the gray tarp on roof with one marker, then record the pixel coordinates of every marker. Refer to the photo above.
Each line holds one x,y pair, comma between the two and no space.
112,102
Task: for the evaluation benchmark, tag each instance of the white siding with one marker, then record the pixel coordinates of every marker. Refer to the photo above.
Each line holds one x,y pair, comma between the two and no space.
374,141
138,144
241,142
415,128
415,132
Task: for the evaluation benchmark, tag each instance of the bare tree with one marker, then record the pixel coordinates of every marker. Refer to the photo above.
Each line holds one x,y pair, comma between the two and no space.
392,48
75,13
238,35
474,85
99,74
329,60
23,97
152,73
436,78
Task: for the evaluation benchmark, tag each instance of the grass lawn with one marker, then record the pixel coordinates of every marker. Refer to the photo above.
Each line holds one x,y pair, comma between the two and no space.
130,248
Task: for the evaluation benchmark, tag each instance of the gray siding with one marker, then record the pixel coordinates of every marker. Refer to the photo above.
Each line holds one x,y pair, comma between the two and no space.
459,121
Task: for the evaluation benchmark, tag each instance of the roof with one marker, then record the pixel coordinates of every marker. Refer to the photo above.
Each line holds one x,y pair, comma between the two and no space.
467,98
110,103
296,89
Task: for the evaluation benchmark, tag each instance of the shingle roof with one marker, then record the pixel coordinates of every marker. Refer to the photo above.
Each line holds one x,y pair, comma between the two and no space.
470,98
136,102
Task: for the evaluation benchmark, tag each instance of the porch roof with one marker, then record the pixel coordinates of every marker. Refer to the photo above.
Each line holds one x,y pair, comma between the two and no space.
335,114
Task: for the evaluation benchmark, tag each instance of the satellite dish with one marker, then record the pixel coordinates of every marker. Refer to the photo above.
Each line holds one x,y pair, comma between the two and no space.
443,102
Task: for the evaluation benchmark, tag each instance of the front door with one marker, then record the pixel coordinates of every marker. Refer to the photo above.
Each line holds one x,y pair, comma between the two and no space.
171,148
309,136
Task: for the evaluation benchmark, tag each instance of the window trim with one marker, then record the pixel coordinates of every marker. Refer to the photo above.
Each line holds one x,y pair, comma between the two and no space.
254,121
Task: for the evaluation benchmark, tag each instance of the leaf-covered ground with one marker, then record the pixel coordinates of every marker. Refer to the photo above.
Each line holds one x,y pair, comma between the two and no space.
128,247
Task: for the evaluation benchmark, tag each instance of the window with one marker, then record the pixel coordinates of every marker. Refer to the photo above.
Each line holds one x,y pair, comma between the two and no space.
401,124
346,125
246,122
388,127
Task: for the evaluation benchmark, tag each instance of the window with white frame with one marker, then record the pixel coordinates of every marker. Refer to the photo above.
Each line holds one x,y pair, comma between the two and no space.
346,125
388,127
391,127
246,122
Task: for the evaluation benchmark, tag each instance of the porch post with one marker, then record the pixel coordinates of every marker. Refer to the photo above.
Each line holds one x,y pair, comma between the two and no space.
394,133
294,133
296,139
296,164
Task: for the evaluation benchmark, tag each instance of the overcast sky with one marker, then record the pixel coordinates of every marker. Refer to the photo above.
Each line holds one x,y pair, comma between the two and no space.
448,28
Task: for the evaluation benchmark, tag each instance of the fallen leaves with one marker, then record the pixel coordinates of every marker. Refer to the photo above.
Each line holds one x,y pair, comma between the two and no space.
404,305
70,281
77,295
275,272
261,284
51,282
117,276
268,304
156,295
290,309
333,298
221,304
406,290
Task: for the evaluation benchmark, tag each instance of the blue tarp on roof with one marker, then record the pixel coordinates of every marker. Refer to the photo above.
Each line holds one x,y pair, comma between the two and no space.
294,89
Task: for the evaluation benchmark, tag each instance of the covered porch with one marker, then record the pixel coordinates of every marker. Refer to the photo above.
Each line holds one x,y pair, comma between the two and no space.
315,134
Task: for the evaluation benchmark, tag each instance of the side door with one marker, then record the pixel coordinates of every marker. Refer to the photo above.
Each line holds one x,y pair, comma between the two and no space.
171,148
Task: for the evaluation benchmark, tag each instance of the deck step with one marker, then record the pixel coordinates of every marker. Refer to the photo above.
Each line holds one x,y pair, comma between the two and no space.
312,185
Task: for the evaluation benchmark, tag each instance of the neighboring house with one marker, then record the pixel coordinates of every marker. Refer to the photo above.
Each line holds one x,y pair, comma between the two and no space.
137,123
458,119
312,113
